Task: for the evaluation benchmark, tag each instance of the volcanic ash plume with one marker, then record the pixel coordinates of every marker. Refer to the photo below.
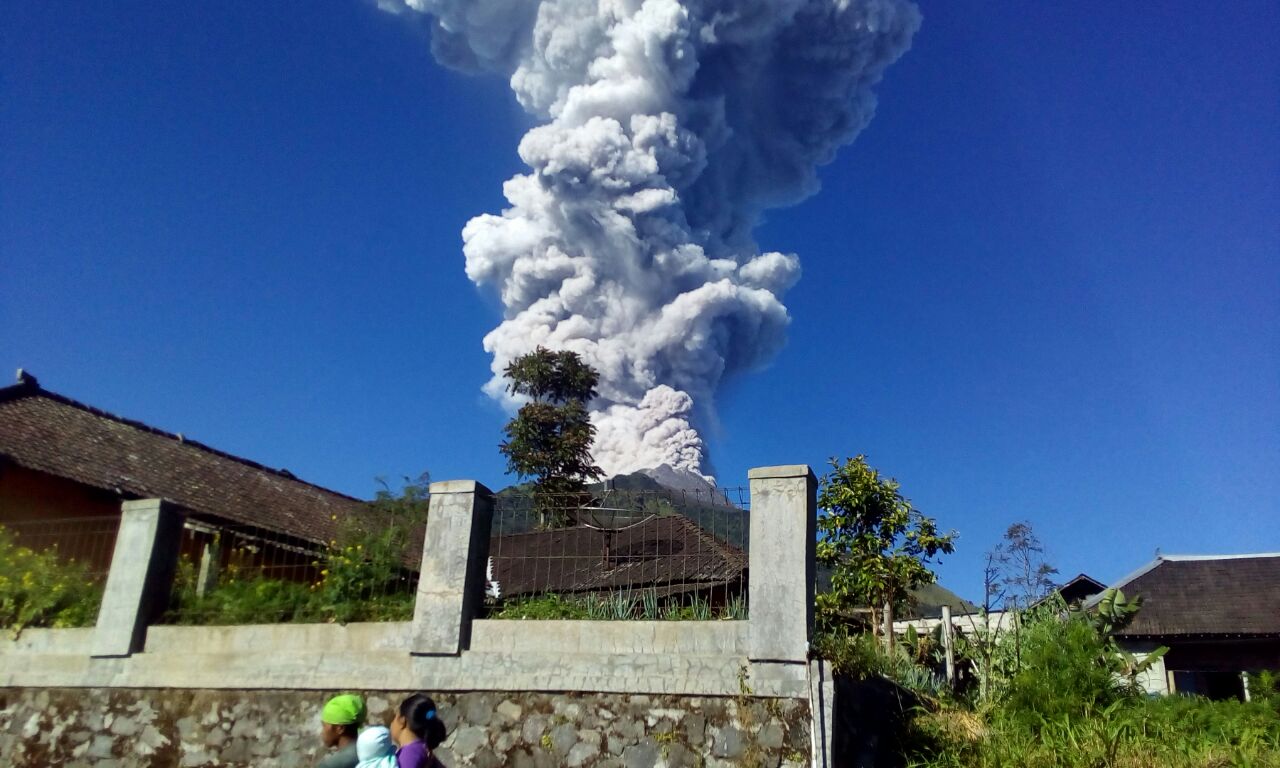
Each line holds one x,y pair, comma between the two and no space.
666,128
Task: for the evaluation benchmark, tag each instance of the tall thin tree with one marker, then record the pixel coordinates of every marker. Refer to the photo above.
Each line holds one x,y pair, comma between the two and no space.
550,438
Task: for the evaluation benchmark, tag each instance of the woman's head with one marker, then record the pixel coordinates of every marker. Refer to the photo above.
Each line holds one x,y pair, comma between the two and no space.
417,720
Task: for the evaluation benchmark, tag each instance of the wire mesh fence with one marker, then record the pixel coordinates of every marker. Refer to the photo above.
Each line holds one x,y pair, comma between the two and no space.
52,571
620,554
361,570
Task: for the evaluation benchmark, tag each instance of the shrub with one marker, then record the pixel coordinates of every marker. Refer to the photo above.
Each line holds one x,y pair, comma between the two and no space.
1069,703
251,600
1064,671
41,589
363,574
542,607
862,655
1170,732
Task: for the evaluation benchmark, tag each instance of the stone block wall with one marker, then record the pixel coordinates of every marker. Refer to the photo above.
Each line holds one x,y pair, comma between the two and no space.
165,728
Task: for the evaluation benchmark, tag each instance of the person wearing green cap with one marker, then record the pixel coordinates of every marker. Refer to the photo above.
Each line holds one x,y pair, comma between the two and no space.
340,721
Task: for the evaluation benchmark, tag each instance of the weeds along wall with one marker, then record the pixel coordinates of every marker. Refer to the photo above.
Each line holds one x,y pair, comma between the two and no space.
725,687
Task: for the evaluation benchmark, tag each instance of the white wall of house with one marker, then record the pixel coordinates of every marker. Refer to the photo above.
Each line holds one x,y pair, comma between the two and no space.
1155,681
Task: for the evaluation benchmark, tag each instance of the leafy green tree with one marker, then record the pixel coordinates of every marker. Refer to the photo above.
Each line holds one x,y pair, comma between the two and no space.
880,546
550,438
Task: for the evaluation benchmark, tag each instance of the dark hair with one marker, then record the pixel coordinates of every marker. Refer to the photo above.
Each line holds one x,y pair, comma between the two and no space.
349,729
419,712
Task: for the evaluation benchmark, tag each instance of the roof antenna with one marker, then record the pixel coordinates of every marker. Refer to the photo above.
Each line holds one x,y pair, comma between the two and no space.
27,378
1157,553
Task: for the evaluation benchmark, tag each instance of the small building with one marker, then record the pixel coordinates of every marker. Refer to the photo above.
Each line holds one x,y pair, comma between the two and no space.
1219,615
1078,590
66,467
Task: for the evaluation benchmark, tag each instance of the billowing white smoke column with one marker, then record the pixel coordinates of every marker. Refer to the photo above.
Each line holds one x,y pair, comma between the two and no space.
668,126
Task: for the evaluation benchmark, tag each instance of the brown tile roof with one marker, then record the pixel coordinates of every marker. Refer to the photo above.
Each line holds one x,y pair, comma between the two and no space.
669,553
49,433
1204,596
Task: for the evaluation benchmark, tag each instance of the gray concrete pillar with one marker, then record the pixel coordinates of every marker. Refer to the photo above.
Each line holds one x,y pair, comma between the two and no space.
207,577
141,576
454,555
948,645
782,567
822,695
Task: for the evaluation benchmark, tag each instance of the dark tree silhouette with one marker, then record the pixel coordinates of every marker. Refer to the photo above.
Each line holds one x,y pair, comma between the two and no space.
550,438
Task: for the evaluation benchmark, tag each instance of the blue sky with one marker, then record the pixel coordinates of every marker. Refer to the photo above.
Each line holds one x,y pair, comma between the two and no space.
1044,284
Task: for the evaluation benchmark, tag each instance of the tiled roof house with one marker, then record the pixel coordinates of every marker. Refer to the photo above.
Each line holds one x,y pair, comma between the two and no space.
63,459
1219,616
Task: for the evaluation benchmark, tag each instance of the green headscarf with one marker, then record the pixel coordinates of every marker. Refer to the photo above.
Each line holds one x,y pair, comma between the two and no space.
346,709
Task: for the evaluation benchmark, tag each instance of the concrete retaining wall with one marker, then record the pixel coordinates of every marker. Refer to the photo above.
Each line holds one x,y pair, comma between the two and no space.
733,692
129,728
516,656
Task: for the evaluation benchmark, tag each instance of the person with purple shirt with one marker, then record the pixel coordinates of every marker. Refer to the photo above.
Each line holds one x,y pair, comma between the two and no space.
416,729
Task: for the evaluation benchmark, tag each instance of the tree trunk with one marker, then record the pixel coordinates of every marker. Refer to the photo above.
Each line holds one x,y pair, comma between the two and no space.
888,625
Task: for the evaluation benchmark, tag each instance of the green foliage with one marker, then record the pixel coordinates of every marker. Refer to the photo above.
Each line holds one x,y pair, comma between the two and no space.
41,589
1067,669
550,438
1114,612
860,655
252,599
365,577
1065,701
880,546
620,605
542,607
361,576
1264,687
1061,694
1132,732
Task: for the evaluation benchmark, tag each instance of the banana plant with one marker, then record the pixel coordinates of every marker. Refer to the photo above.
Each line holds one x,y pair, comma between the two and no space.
1115,612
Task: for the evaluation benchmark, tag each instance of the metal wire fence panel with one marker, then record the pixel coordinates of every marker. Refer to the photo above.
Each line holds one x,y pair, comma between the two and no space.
52,571
620,554
238,574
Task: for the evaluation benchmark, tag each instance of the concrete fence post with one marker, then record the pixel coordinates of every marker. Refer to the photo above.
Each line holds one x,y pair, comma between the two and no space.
455,554
141,575
948,645
782,568
822,694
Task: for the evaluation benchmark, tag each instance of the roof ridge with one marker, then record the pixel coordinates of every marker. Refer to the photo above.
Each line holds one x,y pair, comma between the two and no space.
1163,558
1194,558
1079,576
31,388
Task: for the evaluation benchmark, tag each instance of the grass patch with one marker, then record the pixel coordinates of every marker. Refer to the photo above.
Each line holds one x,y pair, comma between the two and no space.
1170,732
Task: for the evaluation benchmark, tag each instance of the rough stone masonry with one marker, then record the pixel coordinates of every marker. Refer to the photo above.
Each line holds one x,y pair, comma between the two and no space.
163,728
